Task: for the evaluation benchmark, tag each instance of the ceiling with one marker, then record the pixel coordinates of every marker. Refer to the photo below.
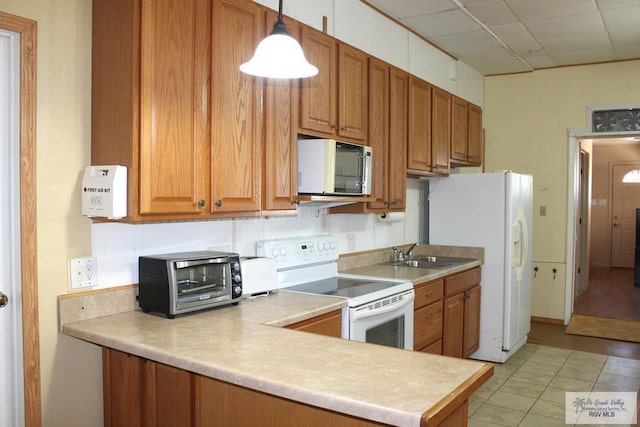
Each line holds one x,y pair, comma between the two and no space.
511,36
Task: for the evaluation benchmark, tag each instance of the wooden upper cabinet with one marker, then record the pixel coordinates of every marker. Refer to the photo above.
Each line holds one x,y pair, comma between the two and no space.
279,156
476,146
440,130
150,101
419,132
334,102
388,91
459,129
353,92
398,134
236,137
466,133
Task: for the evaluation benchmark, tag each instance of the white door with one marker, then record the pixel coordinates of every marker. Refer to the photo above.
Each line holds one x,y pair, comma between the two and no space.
11,379
624,201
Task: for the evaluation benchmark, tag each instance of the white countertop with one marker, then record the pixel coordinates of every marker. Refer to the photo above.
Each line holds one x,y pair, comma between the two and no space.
243,345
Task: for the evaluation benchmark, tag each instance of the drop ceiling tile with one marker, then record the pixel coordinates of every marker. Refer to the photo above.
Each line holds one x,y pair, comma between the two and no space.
409,8
628,51
515,36
539,61
492,13
614,4
538,10
437,24
565,26
576,43
617,23
495,61
586,56
466,42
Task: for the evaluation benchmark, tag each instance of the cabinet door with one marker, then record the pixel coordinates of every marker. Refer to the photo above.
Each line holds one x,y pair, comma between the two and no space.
168,398
440,130
471,321
379,130
280,159
459,129
329,324
174,106
122,388
475,146
319,94
453,327
353,92
397,155
419,144
238,27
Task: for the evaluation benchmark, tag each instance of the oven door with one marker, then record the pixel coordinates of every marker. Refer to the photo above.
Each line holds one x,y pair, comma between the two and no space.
386,321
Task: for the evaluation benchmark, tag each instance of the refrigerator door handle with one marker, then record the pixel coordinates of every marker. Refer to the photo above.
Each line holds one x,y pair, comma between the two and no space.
524,244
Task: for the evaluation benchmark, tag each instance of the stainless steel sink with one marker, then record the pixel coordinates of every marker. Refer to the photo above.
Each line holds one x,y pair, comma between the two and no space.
431,262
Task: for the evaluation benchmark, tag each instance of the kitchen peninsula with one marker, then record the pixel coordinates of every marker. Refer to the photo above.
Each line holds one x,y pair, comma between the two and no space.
245,351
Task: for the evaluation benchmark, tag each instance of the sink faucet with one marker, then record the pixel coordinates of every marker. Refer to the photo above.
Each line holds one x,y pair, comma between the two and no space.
409,252
399,256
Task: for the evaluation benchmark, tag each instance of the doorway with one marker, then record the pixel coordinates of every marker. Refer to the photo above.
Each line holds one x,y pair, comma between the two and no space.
611,232
25,117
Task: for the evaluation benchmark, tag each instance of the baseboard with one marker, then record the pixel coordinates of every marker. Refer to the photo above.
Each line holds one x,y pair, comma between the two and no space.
547,320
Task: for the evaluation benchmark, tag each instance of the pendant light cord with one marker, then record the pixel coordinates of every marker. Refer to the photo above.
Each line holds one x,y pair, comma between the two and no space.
280,27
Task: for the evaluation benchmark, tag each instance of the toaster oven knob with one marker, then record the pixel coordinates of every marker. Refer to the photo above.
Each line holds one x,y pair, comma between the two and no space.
237,291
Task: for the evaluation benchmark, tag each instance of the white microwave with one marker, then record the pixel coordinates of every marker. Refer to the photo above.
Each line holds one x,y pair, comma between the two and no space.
327,166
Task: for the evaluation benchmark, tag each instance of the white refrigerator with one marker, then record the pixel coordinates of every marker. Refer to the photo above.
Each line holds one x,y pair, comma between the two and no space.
492,211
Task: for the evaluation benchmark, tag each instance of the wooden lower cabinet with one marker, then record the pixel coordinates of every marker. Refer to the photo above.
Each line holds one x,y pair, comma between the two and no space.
461,312
427,317
221,404
140,392
329,324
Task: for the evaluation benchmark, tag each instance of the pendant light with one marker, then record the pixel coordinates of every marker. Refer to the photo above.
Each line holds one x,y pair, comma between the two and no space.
279,56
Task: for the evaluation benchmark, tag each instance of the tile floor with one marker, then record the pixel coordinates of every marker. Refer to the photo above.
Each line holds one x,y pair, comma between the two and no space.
529,389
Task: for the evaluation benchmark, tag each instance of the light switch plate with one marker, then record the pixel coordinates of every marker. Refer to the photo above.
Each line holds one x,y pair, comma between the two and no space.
82,273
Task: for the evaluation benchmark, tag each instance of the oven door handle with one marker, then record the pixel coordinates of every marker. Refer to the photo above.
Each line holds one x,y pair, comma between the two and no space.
357,315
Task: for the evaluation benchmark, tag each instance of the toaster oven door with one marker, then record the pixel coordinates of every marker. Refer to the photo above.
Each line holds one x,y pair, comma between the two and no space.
201,283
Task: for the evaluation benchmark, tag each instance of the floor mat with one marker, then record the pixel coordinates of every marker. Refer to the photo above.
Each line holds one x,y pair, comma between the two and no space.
602,327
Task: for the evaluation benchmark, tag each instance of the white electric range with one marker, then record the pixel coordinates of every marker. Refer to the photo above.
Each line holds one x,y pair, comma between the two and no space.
378,311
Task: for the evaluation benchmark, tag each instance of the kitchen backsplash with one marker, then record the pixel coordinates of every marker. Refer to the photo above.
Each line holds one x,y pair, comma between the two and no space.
116,247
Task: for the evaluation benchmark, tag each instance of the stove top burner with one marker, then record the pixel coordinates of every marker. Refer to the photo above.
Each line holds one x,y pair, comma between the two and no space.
357,290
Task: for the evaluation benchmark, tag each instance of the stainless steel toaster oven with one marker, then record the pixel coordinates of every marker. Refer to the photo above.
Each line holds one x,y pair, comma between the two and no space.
183,282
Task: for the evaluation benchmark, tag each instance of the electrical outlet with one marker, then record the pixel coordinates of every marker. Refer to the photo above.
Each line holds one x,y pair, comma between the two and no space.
82,273
351,242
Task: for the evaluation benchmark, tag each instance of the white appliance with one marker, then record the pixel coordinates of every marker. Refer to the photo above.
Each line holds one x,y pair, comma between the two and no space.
378,311
327,166
493,211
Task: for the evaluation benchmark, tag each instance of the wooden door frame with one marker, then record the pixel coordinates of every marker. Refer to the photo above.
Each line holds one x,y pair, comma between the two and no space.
28,214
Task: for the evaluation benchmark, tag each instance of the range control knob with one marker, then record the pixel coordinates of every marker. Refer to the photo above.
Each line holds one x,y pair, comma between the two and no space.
237,278
236,266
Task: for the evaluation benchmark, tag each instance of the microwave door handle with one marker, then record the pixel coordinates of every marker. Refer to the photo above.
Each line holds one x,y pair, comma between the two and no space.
393,307
366,165
360,171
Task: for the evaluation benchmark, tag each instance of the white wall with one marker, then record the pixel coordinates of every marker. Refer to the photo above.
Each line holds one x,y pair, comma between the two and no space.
117,247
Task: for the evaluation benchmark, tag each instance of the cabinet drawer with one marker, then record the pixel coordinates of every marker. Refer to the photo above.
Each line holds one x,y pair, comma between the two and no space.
433,348
427,325
460,282
428,292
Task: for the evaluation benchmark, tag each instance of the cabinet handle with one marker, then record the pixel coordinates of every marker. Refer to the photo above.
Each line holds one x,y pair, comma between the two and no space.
334,126
430,294
219,203
201,203
343,128
466,296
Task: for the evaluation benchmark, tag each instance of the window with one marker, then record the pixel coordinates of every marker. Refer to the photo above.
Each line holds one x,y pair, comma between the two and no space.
632,177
